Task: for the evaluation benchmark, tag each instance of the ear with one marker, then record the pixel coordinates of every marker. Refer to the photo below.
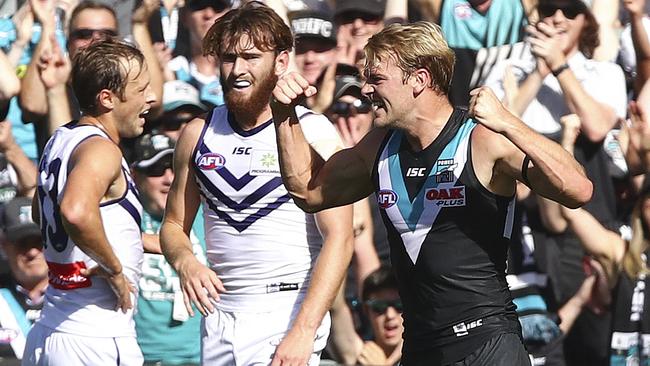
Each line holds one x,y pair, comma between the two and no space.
105,99
420,80
281,63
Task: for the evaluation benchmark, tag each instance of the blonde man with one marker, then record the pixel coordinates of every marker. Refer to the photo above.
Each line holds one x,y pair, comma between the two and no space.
445,183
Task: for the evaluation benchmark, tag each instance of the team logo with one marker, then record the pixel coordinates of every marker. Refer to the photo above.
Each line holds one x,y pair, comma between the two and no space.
445,171
67,276
211,161
463,11
386,198
447,197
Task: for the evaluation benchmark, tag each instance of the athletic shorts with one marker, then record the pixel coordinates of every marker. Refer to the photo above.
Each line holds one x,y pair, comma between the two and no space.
245,338
47,347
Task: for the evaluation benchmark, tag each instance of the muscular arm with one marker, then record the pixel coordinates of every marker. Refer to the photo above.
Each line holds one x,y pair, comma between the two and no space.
182,204
554,173
336,228
95,166
344,340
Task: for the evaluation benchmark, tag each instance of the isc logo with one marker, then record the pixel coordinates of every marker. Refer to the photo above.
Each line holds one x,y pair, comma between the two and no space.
386,198
241,150
448,197
211,161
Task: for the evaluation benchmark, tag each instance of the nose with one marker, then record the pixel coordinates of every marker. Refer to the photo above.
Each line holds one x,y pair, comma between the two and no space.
391,312
150,96
169,176
358,23
558,16
209,13
239,66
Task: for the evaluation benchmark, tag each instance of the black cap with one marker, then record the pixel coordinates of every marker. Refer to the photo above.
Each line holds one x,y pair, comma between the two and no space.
313,24
219,5
348,81
17,220
150,148
372,7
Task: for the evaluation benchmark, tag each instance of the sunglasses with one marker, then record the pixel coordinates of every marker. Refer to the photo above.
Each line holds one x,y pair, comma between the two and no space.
350,16
570,12
380,306
217,6
345,109
158,169
87,33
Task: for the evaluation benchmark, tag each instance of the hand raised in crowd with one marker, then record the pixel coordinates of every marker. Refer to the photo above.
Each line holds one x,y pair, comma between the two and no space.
634,7
142,14
24,21
164,55
372,354
43,11
295,348
570,131
53,65
487,110
6,137
545,46
119,284
200,285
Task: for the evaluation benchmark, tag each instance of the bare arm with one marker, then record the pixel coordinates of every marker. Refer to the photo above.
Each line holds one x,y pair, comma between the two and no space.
142,37
640,41
23,166
182,204
554,173
606,14
313,183
9,82
94,172
336,228
345,341
365,254
54,70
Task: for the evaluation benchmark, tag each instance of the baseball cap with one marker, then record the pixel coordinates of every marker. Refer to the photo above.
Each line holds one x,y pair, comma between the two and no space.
348,81
372,7
313,24
178,93
17,220
218,5
150,148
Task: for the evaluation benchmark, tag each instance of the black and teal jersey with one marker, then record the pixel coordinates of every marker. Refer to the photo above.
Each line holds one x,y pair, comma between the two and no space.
449,238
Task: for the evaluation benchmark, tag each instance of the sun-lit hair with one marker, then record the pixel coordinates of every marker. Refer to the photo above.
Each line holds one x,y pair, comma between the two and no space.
261,24
633,265
104,64
413,46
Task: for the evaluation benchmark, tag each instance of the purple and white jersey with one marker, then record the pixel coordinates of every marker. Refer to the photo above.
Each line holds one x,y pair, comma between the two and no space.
74,303
258,241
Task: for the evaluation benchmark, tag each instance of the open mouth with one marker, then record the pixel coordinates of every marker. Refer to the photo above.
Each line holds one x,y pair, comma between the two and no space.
376,104
241,84
144,114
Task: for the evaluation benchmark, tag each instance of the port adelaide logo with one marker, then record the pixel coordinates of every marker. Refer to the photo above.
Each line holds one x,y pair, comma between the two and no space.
446,197
386,198
211,161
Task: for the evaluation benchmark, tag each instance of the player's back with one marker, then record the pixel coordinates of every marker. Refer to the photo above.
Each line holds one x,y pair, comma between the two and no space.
74,303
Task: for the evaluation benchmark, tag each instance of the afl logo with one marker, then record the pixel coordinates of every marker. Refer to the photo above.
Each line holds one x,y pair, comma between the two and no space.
211,161
386,198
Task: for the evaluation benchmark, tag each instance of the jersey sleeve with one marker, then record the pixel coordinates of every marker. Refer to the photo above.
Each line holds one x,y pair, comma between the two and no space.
319,132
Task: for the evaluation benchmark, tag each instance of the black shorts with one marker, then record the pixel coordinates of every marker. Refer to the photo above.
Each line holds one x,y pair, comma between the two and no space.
505,349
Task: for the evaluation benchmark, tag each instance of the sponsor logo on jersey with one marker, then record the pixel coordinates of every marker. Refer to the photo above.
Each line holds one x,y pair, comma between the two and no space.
211,161
415,172
386,198
445,170
462,329
447,197
241,150
67,276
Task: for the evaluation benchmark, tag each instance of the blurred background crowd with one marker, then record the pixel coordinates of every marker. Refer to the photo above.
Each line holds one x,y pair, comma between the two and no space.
576,71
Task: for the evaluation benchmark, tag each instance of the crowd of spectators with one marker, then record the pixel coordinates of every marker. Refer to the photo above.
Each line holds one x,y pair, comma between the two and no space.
576,71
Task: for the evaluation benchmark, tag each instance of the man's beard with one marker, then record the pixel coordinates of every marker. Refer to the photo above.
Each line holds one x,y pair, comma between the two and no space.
249,108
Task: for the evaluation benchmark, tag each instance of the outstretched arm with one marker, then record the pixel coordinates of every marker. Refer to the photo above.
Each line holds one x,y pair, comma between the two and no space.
552,171
313,183
182,204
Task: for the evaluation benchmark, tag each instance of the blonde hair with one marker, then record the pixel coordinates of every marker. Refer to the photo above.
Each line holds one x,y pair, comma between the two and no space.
633,264
414,46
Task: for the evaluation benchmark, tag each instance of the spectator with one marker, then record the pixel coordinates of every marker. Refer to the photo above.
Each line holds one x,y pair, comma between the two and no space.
357,21
166,334
634,53
181,104
22,291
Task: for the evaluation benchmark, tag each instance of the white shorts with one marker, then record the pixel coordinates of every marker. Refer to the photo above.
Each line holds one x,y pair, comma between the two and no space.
244,338
47,347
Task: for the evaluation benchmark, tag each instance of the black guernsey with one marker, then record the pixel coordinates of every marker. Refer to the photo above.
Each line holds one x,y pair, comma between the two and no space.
449,239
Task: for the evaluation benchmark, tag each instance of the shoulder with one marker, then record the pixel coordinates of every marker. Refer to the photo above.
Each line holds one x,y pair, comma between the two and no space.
191,134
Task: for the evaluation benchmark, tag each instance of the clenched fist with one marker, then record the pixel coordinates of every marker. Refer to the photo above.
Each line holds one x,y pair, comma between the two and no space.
487,110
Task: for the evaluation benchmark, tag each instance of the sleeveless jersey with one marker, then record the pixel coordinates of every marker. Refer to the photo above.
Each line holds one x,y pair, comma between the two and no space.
73,303
449,238
261,245
630,321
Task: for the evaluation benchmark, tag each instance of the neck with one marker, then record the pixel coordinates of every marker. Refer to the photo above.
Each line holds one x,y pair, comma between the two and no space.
248,121
103,124
35,290
429,120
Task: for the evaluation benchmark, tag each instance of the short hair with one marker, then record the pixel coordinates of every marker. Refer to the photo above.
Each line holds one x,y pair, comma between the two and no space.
92,4
414,46
263,26
380,279
102,65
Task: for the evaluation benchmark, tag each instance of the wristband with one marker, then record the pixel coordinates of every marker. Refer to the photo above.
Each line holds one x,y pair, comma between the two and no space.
559,70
